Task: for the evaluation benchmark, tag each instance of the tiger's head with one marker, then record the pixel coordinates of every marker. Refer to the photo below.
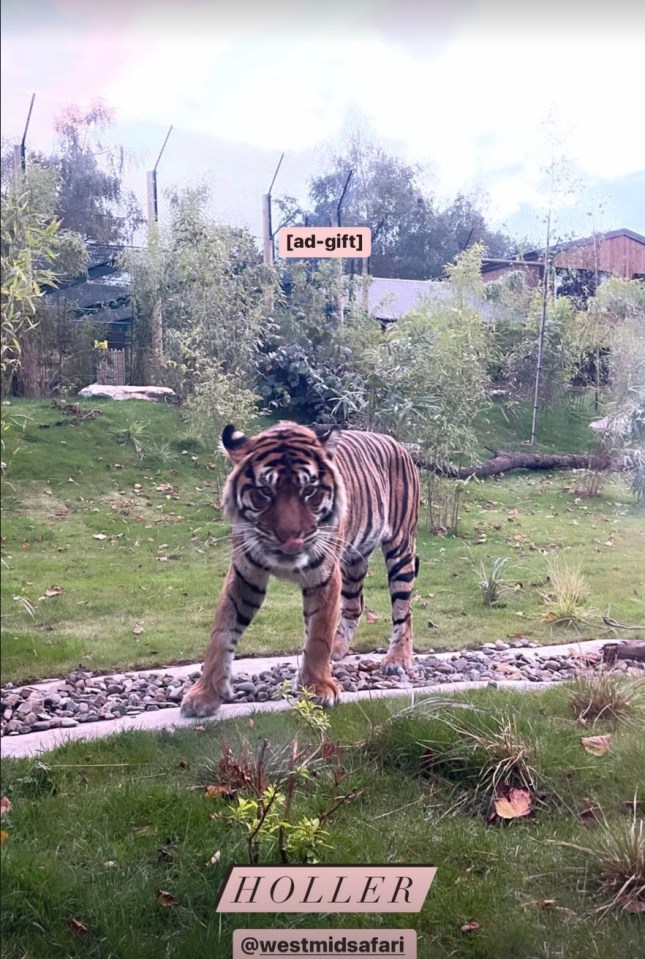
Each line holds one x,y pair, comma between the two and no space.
284,497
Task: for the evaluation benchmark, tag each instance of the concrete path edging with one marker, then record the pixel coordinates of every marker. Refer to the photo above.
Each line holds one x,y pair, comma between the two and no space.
37,744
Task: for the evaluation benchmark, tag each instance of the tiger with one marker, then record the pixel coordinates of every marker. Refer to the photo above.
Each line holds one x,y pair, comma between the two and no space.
310,507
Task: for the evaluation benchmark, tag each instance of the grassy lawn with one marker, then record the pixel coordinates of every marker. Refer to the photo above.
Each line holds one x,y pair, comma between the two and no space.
95,835
120,514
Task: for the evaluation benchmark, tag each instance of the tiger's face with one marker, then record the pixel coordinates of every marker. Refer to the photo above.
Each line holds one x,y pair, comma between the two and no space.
284,496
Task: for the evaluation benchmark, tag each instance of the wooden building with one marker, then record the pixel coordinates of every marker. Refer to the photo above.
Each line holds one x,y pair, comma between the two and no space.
579,266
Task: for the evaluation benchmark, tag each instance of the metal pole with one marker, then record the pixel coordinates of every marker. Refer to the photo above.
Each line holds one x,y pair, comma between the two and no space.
156,318
342,197
23,157
151,178
267,228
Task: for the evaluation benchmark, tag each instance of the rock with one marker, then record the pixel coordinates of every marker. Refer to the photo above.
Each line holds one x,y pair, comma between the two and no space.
67,723
153,394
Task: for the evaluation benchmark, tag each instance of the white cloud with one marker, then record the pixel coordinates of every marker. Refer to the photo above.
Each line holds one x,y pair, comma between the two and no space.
472,100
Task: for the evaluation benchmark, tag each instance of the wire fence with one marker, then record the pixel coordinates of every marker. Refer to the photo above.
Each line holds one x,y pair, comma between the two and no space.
237,175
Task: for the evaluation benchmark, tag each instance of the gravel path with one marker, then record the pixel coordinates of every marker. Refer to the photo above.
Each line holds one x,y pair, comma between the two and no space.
83,697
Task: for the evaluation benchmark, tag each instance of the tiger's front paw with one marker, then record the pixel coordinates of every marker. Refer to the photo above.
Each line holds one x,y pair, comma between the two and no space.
326,691
395,665
202,700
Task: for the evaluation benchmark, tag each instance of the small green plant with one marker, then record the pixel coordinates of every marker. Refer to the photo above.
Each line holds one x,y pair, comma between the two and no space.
158,452
443,500
264,810
590,484
566,600
604,695
491,583
135,434
303,702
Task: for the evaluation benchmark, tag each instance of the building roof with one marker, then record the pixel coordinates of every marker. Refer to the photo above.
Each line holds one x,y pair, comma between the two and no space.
390,299
533,256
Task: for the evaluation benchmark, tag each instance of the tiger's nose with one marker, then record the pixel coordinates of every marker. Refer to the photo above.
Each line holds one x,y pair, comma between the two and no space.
292,545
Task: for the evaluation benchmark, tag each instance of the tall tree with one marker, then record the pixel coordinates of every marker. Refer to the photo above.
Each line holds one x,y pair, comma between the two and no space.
92,199
413,237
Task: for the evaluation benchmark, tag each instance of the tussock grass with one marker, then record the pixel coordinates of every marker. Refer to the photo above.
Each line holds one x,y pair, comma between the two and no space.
614,865
566,600
607,696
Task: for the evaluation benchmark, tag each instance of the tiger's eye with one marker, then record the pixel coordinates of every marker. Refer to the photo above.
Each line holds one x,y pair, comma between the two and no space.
260,496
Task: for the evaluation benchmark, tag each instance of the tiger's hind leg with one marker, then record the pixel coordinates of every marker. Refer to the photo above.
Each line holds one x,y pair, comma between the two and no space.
402,567
354,572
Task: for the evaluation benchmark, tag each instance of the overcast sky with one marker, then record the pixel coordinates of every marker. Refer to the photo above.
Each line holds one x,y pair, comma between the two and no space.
477,89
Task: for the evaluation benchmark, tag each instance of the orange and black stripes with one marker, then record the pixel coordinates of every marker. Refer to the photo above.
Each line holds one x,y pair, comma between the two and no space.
311,509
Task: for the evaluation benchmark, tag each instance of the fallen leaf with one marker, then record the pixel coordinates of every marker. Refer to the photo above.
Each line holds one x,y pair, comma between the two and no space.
596,745
519,802
199,729
471,926
141,830
137,629
165,898
54,591
250,723
215,792
215,858
5,806
4,835
77,927
99,536
541,904
370,616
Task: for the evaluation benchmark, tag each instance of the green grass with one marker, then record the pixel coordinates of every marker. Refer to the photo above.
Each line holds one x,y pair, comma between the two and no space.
165,551
113,821
561,427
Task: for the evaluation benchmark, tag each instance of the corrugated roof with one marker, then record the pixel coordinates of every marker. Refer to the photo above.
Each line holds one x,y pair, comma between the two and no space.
390,299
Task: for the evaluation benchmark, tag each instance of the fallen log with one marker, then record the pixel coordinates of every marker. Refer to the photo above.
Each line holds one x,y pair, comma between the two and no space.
630,649
505,462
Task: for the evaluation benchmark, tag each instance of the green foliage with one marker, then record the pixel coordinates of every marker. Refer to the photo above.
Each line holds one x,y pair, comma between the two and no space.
40,348
307,364
303,702
215,297
29,247
426,380
491,582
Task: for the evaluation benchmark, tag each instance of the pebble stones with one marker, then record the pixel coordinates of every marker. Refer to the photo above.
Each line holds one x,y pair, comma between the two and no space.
84,698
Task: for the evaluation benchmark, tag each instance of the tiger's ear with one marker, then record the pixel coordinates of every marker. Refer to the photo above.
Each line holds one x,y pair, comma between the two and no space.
329,438
234,443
